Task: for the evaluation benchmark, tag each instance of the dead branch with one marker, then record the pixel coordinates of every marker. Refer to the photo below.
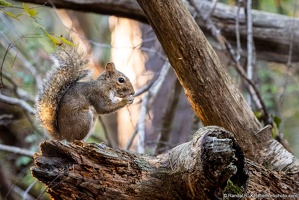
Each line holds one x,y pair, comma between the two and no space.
153,90
16,150
168,116
18,102
210,166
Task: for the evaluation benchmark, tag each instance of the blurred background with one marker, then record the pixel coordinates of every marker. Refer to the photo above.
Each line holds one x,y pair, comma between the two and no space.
160,117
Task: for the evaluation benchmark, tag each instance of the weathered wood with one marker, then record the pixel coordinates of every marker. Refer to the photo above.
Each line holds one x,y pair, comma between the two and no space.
271,32
199,169
211,165
267,184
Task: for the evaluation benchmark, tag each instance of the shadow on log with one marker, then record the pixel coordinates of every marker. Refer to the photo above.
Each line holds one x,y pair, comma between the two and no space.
207,167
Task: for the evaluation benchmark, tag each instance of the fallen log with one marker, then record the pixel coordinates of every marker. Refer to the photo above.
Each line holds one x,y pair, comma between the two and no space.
210,166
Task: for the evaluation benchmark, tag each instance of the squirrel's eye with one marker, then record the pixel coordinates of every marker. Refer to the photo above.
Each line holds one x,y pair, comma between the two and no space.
121,80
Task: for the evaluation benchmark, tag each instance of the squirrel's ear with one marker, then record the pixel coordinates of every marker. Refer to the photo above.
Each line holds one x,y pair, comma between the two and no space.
110,68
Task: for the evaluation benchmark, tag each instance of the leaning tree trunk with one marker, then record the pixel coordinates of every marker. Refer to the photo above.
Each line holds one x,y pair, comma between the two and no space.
210,166
208,87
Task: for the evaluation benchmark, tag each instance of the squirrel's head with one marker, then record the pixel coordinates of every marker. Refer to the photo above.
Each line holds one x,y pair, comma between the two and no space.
119,83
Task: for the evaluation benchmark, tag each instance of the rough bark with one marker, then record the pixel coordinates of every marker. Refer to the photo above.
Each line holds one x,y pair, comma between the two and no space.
271,32
267,184
89,171
208,87
210,166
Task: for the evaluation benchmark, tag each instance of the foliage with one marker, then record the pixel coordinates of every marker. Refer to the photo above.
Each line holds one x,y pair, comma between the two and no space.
32,12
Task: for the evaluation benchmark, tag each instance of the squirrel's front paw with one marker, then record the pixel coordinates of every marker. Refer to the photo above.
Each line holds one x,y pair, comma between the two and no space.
129,99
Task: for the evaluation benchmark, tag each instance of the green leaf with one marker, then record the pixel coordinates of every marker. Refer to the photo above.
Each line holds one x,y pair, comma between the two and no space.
30,11
275,131
5,3
66,41
53,39
277,121
258,114
11,15
276,124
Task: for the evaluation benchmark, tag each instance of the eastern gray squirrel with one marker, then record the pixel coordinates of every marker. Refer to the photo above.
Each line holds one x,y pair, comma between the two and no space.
67,107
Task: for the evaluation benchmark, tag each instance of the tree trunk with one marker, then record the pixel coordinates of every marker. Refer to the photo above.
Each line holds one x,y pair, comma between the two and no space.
271,32
207,85
210,166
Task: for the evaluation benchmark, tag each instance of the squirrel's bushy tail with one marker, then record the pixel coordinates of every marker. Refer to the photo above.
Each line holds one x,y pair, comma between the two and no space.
70,65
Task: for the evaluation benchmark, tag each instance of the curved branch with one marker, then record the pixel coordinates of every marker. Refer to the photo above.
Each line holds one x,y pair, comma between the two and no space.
17,150
18,102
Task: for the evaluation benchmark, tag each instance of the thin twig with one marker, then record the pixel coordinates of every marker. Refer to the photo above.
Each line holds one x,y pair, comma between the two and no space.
145,88
2,63
22,94
141,124
238,41
14,51
251,59
105,131
208,15
210,25
18,102
143,109
17,150
226,45
20,191
130,142
53,184
25,194
168,116
289,63
256,94
249,47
